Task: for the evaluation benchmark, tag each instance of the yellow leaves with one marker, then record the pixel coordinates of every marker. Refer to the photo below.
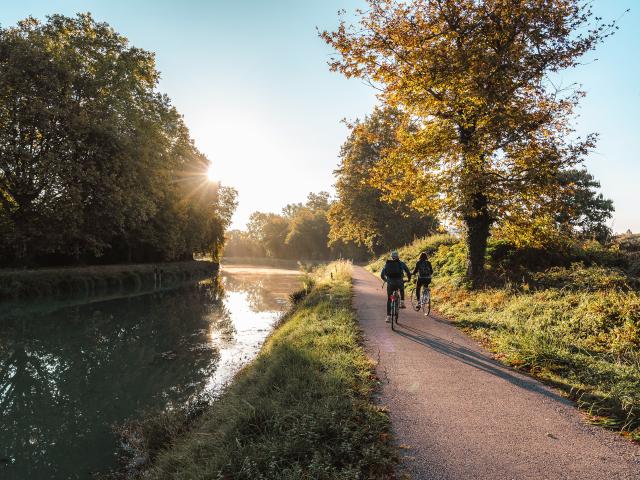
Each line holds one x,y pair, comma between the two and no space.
525,230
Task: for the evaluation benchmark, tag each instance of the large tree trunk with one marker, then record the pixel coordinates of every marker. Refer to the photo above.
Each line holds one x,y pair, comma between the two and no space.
477,222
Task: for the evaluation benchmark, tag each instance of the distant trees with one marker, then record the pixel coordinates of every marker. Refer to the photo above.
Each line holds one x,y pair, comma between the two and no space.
95,165
583,210
362,213
269,230
300,232
488,137
241,244
308,234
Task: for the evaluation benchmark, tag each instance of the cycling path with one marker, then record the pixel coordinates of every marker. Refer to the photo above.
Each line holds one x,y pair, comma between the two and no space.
458,414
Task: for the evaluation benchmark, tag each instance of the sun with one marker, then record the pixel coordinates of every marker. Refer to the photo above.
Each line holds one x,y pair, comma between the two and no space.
211,174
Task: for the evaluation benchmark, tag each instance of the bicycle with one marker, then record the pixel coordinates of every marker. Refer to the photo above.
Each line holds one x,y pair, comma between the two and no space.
395,305
424,302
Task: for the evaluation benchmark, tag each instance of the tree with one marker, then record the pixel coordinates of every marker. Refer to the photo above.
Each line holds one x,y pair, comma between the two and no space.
583,209
95,164
474,75
361,214
308,234
300,232
580,212
270,230
241,244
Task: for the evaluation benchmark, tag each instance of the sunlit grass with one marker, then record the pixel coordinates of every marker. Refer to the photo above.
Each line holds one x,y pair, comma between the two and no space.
301,410
586,343
577,327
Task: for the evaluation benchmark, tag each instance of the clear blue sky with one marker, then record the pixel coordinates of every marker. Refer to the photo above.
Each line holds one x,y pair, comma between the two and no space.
251,80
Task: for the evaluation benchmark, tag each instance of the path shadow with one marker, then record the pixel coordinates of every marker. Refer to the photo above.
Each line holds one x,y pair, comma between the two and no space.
475,359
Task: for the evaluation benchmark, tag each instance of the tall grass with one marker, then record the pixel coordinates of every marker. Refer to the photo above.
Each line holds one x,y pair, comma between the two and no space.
575,326
301,410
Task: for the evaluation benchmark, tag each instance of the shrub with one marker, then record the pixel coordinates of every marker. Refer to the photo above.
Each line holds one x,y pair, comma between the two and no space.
580,278
410,253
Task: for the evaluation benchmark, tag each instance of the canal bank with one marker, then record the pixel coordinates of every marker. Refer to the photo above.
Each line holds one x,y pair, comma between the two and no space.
97,280
68,375
302,409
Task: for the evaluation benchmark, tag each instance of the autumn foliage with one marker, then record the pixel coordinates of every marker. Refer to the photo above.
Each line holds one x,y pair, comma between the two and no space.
486,136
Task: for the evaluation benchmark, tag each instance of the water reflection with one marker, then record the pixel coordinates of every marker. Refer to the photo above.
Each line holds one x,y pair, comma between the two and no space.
67,376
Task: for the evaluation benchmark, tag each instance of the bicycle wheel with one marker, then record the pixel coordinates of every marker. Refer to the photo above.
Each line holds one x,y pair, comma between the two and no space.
394,313
414,299
426,302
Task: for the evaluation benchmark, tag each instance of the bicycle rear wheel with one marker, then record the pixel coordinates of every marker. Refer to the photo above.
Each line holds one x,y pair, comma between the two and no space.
394,314
426,302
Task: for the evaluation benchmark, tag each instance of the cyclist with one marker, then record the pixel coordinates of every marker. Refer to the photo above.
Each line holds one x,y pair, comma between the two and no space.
424,270
393,273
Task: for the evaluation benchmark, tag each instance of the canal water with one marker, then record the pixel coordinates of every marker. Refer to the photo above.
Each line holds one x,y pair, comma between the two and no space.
69,374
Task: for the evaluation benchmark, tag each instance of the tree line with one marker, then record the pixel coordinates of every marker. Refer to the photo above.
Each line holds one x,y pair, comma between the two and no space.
362,221
482,136
309,231
96,166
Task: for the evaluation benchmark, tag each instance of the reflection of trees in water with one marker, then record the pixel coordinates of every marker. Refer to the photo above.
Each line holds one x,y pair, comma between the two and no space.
218,315
264,292
66,377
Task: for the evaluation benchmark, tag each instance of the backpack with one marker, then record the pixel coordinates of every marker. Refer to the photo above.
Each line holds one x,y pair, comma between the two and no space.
393,269
424,269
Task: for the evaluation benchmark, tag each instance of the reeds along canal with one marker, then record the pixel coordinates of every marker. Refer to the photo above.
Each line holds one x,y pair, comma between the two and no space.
68,374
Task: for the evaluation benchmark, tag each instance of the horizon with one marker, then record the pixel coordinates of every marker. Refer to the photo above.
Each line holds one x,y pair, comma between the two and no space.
271,123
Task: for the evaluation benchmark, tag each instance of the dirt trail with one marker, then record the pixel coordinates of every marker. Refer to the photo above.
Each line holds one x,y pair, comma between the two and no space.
462,415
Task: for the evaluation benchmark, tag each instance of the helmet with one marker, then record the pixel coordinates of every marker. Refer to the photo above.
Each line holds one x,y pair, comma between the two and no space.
394,255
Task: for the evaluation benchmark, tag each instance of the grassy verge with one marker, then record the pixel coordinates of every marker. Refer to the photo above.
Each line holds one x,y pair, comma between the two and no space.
585,343
97,280
576,327
301,410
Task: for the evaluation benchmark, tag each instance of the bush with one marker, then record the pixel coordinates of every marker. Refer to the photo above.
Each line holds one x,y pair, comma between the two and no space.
628,242
410,253
581,278
450,261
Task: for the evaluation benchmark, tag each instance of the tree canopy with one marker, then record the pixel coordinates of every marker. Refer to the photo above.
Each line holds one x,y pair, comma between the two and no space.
361,214
95,164
301,231
487,133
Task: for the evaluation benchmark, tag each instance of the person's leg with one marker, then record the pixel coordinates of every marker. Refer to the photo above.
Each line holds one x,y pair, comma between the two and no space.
401,285
427,282
418,287
389,292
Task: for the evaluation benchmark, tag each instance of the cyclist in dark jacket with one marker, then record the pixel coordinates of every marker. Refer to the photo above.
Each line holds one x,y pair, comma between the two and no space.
393,273
424,270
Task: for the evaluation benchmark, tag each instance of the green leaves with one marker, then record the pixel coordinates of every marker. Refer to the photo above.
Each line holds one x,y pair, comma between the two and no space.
370,211
94,163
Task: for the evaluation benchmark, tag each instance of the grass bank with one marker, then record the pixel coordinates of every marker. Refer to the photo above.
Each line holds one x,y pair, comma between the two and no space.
576,327
97,280
301,410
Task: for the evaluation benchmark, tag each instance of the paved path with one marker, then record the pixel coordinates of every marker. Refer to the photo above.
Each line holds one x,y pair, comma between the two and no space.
464,416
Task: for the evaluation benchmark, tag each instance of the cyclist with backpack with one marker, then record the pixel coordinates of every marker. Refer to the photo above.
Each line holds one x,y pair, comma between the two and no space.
424,270
393,273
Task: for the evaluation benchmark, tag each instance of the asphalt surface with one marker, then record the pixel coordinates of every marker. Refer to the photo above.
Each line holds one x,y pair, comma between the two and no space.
459,414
